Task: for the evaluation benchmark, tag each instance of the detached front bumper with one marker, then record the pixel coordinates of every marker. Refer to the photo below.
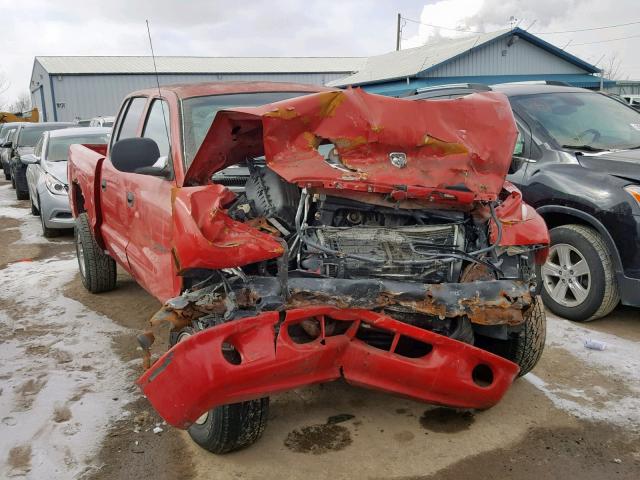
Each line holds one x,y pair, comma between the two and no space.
195,375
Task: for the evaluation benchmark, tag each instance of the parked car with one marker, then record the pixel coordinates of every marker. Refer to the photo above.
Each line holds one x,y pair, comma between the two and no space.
577,162
366,233
24,139
102,122
47,174
632,100
6,138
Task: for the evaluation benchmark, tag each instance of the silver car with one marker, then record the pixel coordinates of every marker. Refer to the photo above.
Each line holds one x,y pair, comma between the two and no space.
47,174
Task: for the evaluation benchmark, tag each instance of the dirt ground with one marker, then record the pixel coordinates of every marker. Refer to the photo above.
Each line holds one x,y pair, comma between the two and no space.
576,416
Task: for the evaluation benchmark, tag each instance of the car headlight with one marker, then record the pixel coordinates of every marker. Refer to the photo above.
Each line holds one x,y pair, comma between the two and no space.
54,185
634,191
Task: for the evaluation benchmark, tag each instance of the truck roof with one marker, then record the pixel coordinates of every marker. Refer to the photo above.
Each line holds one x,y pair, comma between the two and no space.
187,90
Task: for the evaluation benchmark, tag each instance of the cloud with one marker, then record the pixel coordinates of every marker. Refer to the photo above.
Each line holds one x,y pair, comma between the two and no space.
540,16
288,27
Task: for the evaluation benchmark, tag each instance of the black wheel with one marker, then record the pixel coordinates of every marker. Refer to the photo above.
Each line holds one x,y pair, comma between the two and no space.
229,427
7,175
13,181
578,281
34,210
526,348
97,269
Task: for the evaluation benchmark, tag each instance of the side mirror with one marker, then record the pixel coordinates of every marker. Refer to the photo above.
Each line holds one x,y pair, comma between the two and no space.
29,159
139,155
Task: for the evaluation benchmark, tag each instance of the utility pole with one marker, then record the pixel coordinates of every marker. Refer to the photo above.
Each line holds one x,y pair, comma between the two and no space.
398,32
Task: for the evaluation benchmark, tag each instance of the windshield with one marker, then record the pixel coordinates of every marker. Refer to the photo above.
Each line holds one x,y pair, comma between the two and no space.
199,112
28,137
58,148
582,119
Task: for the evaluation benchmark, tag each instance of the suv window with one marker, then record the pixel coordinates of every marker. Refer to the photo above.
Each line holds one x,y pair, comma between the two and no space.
581,119
157,126
131,119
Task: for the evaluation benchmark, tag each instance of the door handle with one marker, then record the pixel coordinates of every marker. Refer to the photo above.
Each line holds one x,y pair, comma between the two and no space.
130,198
103,185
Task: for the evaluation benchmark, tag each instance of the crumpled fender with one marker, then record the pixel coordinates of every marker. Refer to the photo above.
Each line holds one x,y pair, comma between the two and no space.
521,224
195,376
206,237
457,151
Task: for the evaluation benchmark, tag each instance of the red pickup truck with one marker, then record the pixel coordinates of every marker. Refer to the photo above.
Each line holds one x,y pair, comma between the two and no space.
298,235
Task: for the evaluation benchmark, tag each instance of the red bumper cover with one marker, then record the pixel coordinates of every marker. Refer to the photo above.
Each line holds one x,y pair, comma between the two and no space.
195,376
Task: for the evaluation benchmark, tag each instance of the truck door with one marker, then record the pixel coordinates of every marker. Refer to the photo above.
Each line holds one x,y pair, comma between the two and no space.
149,203
113,194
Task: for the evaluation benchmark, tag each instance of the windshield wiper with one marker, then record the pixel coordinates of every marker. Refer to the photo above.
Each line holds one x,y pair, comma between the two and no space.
586,148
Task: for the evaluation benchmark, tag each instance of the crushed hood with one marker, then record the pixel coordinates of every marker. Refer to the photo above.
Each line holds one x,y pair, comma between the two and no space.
461,147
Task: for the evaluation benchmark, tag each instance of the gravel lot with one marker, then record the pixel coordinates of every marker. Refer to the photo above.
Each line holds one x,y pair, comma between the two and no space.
68,407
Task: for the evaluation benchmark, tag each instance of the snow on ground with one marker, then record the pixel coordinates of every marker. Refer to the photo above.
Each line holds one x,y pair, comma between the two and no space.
30,229
61,383
56,399
617,402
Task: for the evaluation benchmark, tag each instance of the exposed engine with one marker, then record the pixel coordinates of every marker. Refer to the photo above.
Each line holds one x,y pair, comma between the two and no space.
343,238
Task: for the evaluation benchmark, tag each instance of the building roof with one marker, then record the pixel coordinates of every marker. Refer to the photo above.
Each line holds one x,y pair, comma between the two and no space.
84,65
412,61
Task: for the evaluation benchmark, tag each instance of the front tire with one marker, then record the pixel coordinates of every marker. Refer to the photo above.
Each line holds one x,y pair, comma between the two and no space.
526,348
97,269
578,281
230,427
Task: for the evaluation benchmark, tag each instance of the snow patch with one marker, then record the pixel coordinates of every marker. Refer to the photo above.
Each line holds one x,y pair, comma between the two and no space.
620,360
62,383
30,229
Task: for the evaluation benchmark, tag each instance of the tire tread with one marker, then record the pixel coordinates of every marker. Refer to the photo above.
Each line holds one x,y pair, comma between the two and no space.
100,268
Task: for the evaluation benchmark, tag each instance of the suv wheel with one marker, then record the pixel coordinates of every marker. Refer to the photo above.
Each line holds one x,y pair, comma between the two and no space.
97,269
230,427
578,281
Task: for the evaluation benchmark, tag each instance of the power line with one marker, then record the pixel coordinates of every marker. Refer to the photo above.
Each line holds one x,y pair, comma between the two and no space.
439,26
605,41
604,27
589,29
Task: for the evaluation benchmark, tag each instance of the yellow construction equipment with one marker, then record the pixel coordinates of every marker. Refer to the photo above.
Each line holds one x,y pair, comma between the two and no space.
33,116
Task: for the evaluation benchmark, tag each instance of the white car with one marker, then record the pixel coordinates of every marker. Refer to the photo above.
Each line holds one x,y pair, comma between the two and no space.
47,174
102,122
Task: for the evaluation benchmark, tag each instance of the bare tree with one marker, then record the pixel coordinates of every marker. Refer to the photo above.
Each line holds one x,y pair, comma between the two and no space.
21,104
611,66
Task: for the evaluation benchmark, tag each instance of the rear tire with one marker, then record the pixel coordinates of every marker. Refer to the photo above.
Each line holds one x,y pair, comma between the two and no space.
602,294
230,427
97,269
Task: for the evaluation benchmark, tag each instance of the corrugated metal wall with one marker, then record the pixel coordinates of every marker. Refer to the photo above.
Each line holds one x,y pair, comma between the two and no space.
86,96
497,58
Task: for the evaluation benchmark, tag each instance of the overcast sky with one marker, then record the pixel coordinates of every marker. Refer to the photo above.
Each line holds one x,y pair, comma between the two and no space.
294,28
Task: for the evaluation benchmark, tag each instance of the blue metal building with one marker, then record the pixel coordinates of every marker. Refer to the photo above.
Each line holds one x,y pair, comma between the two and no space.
512,55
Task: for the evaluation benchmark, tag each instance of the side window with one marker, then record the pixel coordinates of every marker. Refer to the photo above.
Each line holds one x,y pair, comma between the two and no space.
131,119
518,150
157,126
